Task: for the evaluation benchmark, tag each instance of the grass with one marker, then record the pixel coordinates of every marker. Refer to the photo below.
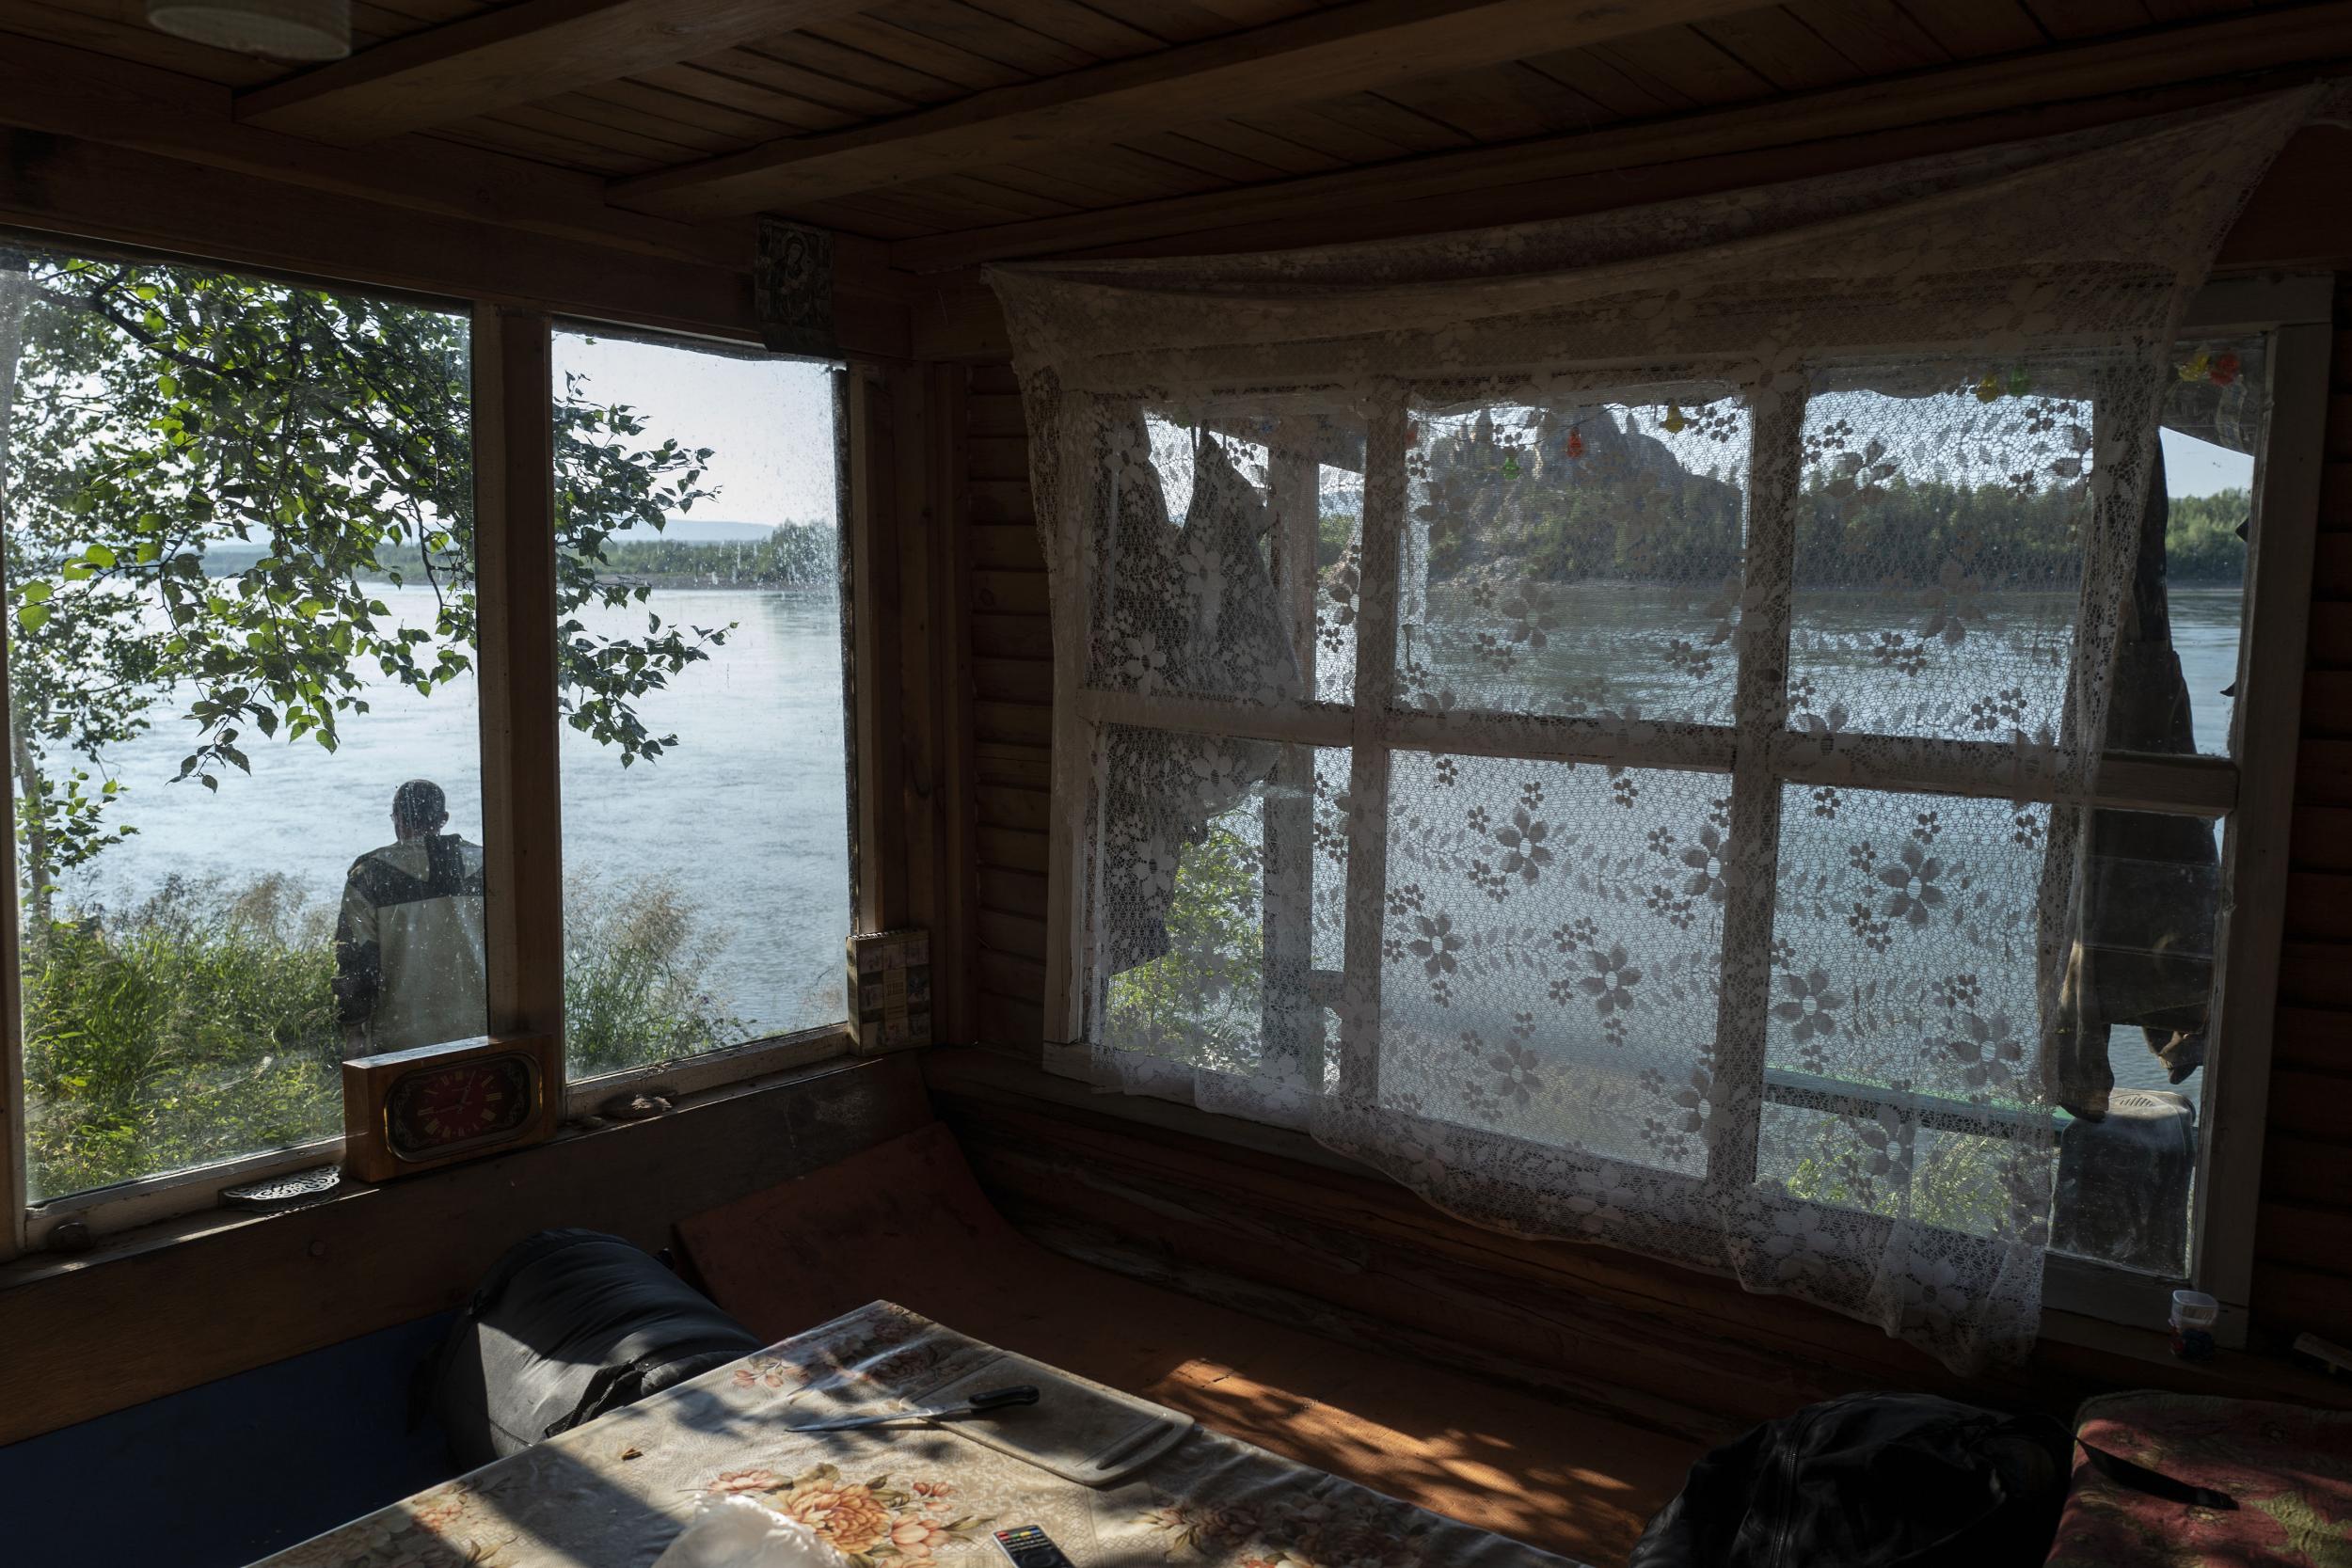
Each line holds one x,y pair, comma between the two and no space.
199,1025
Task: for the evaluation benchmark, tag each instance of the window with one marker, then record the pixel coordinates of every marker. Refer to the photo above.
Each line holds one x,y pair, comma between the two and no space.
706,835
1601,674
246,731
241,591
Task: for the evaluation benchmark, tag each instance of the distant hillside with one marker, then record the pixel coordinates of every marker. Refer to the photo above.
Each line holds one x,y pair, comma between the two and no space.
687,553
1576,497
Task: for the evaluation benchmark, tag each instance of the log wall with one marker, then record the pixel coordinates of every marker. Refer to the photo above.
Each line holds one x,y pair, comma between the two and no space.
1012,710
2303,1239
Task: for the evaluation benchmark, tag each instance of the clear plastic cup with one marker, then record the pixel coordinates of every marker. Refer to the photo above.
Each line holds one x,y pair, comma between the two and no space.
2194,1313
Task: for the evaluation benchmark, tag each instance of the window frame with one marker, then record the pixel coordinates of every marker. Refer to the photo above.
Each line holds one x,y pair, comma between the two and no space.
2250,789
513,387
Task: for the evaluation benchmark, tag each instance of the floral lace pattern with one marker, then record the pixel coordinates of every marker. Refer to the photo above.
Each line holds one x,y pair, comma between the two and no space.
1713,698
613,1493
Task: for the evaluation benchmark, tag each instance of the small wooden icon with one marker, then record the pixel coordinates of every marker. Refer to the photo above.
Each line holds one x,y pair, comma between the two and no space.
409,1110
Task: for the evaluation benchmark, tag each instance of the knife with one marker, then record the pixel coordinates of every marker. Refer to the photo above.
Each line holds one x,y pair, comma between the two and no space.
978,1404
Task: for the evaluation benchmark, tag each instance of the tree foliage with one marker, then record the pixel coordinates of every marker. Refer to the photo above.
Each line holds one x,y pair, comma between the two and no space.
161,411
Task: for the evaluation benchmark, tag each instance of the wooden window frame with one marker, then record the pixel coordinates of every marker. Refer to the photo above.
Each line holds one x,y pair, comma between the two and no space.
2250,789
511,358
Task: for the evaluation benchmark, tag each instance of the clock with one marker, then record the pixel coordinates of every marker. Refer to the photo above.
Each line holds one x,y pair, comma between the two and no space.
407,1111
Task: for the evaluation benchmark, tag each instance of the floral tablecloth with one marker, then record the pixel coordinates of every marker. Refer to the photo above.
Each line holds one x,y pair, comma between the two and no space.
613,1493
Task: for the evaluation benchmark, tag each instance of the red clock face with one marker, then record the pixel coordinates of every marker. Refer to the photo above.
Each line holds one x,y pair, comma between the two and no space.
436,1109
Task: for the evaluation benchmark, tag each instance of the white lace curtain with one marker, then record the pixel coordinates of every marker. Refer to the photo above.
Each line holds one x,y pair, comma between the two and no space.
1596,719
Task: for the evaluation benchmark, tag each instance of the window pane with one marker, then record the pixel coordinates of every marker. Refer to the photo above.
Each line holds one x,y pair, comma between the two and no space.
2178,665
1939,550
1566,557
1905,936
2137,1010
1230,569
1222,899
1551,950
705,830
240,566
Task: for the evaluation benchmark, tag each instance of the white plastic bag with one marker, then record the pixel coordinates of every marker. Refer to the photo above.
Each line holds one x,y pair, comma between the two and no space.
737,1532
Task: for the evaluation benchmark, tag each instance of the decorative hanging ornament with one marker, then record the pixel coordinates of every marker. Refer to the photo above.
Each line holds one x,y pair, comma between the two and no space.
2198,368
1674,423
2018,382
1575,447
2224,370
280,29
1989,389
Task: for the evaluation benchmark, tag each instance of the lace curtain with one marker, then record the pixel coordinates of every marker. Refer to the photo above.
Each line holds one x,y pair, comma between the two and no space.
1598,718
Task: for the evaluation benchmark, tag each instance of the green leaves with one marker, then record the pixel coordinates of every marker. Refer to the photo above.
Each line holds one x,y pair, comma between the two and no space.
232,469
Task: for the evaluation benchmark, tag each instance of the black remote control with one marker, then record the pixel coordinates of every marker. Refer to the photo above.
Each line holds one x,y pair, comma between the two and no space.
1029,1547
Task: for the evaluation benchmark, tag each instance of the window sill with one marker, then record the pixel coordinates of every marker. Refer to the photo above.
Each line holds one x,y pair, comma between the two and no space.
211,1294
2117,1350
138,1218
149,1202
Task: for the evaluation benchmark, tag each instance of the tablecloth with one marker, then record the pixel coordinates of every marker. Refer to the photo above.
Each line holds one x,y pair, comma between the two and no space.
613,1493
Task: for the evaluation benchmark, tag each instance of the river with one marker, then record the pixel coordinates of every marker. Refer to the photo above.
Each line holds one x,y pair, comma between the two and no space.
746,817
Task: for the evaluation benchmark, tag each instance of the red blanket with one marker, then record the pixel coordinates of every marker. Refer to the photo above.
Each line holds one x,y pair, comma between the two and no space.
2288,1469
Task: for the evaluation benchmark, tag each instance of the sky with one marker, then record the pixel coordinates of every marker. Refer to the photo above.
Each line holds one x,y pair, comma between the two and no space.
768,422
2194,467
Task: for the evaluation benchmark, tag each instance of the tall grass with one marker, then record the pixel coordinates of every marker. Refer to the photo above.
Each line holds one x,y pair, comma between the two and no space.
198,1024
195,1026
635,953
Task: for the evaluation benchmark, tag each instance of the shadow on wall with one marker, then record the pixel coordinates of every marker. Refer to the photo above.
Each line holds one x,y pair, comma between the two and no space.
234,1469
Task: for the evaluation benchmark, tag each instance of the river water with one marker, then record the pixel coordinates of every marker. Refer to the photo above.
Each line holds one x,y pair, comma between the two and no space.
746,817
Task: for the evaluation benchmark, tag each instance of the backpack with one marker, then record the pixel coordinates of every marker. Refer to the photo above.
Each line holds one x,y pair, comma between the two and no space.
1871,1481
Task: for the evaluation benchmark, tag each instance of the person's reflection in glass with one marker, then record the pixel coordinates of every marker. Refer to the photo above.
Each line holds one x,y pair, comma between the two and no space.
408,944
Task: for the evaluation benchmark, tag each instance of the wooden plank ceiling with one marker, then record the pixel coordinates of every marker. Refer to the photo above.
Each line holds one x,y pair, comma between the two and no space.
957,130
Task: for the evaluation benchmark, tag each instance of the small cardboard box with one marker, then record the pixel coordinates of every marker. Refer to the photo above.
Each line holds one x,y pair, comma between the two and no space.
890,991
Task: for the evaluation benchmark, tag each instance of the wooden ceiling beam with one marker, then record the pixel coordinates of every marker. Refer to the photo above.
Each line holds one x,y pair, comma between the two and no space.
517,54
1352,48
2110,80
111,150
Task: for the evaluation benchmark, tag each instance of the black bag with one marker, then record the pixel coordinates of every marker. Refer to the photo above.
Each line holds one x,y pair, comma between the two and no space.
567,1325
1871,1481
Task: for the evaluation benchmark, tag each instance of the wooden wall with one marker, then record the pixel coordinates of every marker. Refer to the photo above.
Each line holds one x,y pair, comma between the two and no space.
1012,683
1264,1221
2303,1277
219,1293
2303,1244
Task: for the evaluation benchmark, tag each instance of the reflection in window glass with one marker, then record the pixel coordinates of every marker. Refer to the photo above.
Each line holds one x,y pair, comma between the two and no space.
705,835
242,725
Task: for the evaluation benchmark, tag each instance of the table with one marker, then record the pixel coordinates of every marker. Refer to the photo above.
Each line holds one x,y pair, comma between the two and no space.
613,1493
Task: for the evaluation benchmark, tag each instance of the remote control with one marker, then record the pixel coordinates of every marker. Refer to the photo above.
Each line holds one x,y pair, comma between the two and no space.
1029,1547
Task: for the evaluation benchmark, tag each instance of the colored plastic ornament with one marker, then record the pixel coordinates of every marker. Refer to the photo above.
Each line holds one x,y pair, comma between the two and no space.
1575,447
2224,370
2020,382
1989,389
1674,423
2198,368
